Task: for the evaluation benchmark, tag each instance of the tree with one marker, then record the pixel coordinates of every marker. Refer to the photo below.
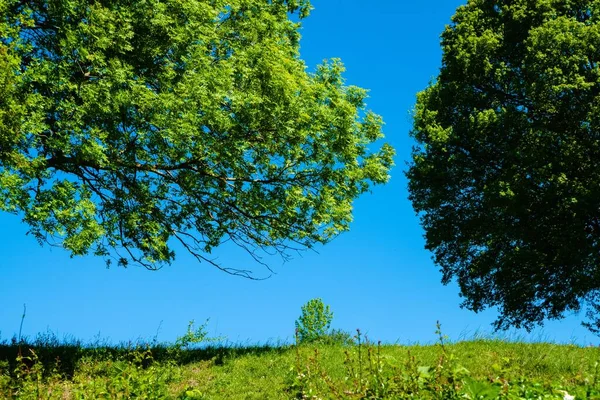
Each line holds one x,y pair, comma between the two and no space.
506,174
128,128
314,322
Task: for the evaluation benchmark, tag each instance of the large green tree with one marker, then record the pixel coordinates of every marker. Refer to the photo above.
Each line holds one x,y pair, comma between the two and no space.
129,128
506,174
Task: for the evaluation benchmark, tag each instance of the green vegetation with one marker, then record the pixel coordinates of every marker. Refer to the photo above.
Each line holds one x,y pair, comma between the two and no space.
314,322
506,170
128,128
46,368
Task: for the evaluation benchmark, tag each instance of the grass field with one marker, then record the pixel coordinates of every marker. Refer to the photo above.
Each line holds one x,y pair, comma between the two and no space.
337,367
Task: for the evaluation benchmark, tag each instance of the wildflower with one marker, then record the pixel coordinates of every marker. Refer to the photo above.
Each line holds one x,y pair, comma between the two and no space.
567,396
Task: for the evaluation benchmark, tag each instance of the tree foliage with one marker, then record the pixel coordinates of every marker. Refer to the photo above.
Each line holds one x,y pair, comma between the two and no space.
131,127
314,322
506,174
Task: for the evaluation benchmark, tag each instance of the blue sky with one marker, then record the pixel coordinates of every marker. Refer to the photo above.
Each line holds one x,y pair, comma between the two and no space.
376,277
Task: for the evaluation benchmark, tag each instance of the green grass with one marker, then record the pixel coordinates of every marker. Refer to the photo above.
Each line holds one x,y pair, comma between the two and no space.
47,368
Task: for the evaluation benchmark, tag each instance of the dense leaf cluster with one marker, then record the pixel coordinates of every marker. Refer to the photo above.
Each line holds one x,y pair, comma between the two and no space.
314,322
506,175
131,127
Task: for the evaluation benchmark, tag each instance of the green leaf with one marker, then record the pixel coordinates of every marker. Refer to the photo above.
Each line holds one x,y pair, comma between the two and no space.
129,129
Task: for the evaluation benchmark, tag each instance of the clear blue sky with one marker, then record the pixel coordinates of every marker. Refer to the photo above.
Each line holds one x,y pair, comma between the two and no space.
376,277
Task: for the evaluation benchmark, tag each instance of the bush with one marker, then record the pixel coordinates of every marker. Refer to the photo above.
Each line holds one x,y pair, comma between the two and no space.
314,321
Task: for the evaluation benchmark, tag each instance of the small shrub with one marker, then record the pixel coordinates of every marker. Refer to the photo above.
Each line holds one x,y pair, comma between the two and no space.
337,337
314,321
193,336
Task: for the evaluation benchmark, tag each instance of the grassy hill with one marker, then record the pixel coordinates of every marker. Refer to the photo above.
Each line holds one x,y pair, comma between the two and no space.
336,367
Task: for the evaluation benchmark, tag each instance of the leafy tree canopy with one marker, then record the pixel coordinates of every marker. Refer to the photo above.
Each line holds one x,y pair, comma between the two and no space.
130,127
314,322
506,174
